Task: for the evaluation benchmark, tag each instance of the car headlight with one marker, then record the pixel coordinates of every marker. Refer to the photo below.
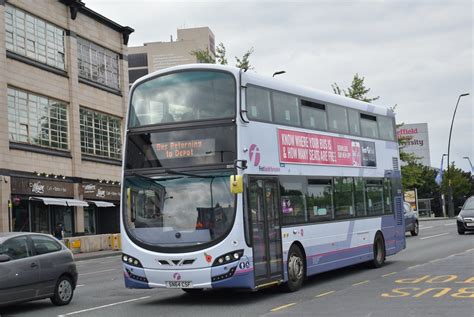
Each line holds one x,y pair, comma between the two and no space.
460,218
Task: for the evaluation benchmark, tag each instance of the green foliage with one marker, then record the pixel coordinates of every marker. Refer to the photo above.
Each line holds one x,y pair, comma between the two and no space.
220,52
244,63
461,184
205,56
357,90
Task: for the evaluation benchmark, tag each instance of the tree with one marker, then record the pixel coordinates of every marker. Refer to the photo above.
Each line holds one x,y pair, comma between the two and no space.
244,63
357,90
461,184
204,56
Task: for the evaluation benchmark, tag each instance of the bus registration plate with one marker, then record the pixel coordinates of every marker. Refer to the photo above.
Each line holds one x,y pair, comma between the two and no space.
179,284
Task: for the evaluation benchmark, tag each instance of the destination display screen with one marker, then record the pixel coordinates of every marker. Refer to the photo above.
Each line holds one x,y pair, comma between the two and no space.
310,148
180,148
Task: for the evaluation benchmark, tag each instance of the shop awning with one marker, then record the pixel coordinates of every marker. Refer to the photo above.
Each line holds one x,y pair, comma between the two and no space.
75,202
102,203
60,202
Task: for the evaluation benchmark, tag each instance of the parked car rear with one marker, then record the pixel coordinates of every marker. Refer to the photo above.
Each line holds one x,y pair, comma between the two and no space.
35,266
411,220
465,219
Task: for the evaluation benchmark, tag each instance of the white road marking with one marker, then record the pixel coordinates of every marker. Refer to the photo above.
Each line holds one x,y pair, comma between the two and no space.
426,227
450,224
97,272
282,307
436,235
105,306
79,285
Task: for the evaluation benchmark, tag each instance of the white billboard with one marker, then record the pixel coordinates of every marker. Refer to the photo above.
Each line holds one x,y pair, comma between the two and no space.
417,141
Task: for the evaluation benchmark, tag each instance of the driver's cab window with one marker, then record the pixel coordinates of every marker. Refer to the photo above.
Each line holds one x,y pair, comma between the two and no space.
16,248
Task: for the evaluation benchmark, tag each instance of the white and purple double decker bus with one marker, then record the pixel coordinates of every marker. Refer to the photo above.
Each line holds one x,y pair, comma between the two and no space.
236,180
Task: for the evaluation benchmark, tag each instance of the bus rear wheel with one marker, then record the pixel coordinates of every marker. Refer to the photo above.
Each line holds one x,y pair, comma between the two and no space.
296,269
379,251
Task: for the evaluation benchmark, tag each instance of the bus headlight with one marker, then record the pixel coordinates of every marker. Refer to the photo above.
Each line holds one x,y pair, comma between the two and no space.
131,260
228,257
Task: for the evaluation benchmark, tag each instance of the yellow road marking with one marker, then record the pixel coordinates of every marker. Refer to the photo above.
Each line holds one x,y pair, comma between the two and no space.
385,275
360,283
324,294
284,306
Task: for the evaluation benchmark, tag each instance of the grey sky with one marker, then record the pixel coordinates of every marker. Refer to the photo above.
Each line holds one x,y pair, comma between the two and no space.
416,54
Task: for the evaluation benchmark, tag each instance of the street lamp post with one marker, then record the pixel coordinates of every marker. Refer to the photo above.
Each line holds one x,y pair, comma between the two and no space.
450,188
470,163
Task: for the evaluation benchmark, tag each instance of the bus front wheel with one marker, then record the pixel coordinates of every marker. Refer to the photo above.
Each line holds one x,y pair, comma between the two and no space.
296,269
379,251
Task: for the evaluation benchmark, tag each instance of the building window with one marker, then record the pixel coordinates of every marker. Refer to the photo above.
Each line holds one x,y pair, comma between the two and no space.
37,120
100,134
34,38
98,64
137,60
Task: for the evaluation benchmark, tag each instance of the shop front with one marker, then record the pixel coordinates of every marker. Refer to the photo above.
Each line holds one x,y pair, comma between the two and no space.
37,205
103,213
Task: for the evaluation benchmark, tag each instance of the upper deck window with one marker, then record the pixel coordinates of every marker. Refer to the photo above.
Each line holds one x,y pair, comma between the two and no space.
183,96
313,115
258,104
337,117
285,109
386,128
368,126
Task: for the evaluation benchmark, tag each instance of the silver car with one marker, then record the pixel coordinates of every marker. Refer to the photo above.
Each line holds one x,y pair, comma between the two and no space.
35,266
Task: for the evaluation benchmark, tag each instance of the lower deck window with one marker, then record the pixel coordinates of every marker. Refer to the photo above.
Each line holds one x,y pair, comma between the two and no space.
306,200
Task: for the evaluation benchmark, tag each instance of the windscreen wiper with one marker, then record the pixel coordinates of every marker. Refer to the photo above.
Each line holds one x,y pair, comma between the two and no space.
169,171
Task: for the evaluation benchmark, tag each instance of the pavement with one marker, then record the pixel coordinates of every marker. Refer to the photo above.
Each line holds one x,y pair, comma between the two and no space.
96,255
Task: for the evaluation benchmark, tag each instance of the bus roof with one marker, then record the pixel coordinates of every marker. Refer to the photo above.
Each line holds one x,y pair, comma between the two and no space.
280,84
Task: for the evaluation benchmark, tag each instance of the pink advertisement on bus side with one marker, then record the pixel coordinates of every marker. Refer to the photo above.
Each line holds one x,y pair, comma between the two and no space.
309,148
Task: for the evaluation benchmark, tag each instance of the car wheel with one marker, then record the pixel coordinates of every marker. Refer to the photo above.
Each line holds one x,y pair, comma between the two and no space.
192,290
379,251
296,269
460,230
63,291
416,229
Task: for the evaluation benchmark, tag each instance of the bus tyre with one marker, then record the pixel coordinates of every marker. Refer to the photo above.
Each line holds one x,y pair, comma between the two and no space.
379,251
63,291
416,229
296,269
192,290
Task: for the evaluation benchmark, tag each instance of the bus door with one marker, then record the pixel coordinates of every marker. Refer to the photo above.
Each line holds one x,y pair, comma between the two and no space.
266,234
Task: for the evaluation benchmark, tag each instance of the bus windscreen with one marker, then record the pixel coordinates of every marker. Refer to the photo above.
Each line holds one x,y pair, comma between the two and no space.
183,97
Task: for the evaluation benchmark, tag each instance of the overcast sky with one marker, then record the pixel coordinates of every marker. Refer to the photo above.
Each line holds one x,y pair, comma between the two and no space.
416,54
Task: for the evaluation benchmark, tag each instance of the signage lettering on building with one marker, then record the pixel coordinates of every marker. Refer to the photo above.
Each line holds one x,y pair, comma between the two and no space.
26,186
101,191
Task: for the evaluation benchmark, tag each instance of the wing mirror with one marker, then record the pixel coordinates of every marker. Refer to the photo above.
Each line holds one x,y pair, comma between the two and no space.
4,258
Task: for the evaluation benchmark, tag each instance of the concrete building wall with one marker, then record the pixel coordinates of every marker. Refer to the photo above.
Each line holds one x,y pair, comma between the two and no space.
162,55
25,161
